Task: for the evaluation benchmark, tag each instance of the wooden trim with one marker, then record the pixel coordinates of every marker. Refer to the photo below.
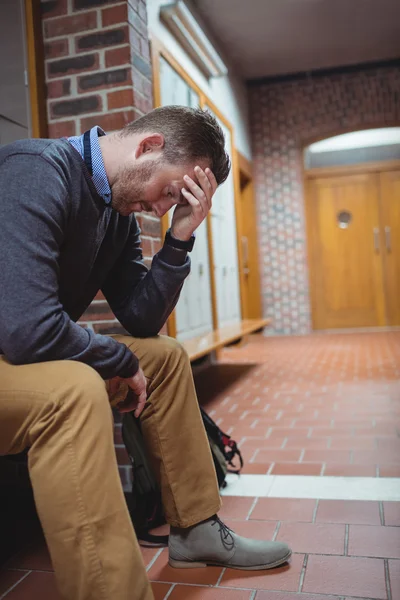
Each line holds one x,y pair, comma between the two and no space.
245,166
388,165
36,74
204,344
311,245
239,225
158,49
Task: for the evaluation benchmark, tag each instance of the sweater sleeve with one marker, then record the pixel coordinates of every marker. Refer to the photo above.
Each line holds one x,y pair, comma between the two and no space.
33,325
142,299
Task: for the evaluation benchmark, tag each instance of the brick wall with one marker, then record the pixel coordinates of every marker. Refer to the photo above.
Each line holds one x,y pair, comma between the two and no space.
98,72
286,116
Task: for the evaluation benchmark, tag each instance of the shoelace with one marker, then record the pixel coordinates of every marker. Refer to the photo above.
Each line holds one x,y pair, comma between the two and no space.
225,533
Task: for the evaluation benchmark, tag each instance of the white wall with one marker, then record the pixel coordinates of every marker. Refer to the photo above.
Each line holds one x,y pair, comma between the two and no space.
227,93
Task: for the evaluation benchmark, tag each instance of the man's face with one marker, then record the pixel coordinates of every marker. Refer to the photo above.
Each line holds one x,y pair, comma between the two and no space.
151,185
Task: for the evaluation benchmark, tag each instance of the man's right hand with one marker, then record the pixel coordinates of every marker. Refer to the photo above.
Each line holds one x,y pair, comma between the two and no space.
138,385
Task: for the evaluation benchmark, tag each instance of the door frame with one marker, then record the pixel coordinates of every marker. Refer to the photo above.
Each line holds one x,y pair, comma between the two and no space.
308,176
158,50
35,68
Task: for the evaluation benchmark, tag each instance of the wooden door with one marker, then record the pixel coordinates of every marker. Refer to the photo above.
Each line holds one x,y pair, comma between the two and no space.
345,248
390,227
250,253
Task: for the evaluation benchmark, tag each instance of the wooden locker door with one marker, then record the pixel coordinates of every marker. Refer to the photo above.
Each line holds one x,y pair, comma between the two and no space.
390,212
346,250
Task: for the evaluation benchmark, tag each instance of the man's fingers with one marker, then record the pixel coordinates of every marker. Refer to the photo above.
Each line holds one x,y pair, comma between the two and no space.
212,180
141,404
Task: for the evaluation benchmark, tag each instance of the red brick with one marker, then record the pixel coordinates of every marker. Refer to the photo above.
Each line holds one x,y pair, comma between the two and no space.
71,24
150,226
283,509
297,469
58,88
377,542
122,456
56,49
114,15
146,247
345,576
348,511
102,39
313,538
109,122
105,79
285,578
391,511
53,8
120,99
72,64
118,56
62,129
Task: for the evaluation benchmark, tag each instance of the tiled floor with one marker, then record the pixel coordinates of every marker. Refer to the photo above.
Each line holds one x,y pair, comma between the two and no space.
326,405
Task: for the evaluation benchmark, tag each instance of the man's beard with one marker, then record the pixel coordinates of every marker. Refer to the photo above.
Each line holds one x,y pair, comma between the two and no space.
129,187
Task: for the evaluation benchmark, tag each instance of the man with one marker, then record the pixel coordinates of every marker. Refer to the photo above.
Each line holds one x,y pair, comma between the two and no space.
67,229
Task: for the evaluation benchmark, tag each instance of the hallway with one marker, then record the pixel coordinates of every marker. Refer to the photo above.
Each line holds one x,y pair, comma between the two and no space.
322,406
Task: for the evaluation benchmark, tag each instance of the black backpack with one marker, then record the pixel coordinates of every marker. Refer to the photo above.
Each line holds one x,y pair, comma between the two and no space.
144,501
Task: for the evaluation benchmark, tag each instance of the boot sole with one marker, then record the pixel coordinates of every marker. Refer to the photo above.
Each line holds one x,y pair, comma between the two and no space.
180,564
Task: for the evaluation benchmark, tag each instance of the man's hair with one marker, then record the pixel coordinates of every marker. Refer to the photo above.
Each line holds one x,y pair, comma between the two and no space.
190,134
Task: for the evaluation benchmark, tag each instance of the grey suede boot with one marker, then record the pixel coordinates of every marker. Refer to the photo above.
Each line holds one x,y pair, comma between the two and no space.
213,543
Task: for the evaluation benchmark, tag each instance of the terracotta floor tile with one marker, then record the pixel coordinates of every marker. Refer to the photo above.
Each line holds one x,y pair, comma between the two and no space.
161,571
160,590
345,576
234,507
283,509
328,456
379,542
312,538
283,596
394,577
259,530
348,511
285,578
391,511
291,455
297,469
338,470
35,557
349,442
148,554
310,444
256,468
389,470
9,578
36,586
183,592
375,457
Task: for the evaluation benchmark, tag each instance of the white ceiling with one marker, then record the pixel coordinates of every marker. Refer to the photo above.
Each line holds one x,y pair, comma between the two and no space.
271,37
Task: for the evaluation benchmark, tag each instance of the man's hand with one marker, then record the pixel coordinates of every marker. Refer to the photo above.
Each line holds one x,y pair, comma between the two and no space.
187,217
138,385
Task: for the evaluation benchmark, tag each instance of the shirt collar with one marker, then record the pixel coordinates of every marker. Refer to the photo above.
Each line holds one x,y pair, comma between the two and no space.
99,177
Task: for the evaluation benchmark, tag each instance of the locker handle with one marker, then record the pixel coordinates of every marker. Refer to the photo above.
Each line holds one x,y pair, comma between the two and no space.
376,239
388,239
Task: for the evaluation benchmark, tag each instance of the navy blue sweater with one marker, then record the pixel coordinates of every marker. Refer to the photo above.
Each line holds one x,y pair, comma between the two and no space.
59,245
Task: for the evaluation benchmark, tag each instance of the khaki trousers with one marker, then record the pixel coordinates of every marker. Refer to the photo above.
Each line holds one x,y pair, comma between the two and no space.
61,411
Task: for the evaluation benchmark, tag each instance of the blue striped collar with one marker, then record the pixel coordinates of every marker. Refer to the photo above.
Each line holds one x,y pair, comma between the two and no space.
99,172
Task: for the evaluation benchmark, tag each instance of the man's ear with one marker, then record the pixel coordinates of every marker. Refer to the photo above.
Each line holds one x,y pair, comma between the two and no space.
150,143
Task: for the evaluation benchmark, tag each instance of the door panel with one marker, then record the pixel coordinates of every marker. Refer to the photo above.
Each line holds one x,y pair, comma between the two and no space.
250,251
390,211
347,260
